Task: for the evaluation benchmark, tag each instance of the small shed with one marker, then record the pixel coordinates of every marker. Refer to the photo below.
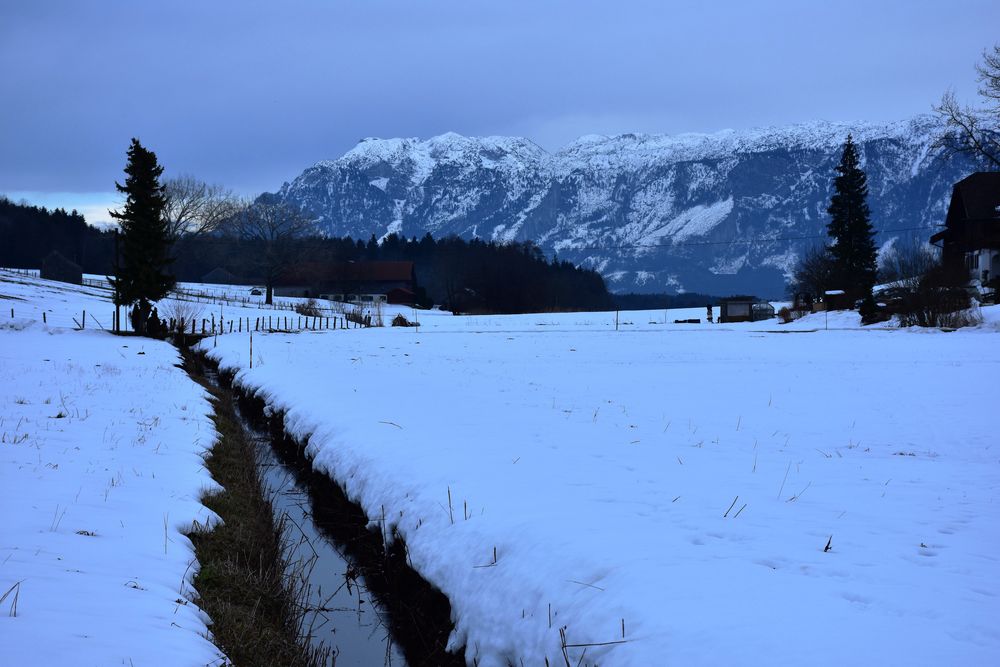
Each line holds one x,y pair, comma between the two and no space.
56,267
744,309
838,299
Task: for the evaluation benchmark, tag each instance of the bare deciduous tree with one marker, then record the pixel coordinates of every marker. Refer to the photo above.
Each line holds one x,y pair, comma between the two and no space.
906,264
814,273
970,130
195,207
275,232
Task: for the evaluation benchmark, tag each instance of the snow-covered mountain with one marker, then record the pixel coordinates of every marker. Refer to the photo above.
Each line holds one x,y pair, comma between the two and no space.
720,213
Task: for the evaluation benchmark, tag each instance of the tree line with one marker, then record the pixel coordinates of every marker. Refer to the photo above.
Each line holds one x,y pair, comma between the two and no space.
188,229
30,233
459,274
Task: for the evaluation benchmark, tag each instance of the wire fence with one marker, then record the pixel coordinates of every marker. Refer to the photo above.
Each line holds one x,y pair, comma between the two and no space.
205,296
27,273
204,326
280,316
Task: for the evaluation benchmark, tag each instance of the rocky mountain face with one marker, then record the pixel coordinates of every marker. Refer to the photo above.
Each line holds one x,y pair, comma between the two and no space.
721,213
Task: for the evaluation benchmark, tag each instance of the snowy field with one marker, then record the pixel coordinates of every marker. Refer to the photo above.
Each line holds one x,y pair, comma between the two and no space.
101,444
678,493
702,494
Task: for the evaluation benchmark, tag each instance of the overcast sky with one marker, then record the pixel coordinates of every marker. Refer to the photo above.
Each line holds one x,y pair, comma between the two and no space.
248,94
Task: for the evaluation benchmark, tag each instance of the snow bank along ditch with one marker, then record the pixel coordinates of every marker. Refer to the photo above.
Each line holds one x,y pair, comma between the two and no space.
362,596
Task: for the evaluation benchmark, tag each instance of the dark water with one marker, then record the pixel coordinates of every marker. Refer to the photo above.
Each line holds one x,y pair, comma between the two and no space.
345,616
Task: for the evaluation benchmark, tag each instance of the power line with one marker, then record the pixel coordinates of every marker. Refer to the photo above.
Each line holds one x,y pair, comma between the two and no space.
627,246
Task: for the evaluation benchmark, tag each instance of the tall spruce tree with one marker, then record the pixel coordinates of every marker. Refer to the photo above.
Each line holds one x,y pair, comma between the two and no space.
142,267
853,250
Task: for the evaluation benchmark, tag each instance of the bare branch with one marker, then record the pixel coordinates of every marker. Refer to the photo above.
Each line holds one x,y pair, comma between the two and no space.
971,131
195,207
989,76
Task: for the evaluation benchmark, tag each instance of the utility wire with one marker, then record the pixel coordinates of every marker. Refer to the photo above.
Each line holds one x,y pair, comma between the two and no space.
627,246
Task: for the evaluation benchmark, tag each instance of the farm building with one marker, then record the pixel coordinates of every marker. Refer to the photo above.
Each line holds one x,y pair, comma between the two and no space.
56,267
744,309
401,296
365,282
971,236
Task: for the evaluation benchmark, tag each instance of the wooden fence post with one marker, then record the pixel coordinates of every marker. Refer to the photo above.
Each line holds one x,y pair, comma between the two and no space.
83,324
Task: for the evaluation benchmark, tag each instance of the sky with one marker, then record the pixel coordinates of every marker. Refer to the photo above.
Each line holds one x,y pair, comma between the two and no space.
248,94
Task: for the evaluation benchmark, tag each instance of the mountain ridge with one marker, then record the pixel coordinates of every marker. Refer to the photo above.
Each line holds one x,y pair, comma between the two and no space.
651,212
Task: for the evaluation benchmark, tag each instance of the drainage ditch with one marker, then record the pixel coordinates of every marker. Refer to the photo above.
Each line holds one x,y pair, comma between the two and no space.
361,598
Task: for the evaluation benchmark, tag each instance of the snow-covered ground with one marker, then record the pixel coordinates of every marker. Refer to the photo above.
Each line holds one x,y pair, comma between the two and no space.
705,494
101,445
673,487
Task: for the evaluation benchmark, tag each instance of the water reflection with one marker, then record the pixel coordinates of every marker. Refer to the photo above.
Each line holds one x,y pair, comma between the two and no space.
343,614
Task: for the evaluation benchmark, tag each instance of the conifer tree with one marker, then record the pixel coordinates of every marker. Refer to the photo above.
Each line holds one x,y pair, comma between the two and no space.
142,269
853,250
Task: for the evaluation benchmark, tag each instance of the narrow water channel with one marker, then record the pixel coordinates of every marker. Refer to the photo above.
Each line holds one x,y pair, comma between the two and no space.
346,615
367,602
343,615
